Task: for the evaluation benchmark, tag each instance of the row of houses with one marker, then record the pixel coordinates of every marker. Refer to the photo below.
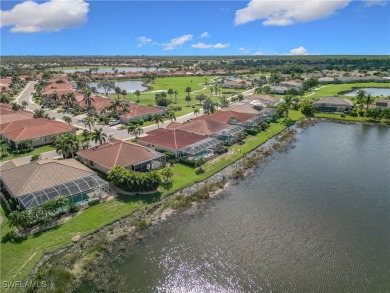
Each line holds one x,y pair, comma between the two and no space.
18,126
336,104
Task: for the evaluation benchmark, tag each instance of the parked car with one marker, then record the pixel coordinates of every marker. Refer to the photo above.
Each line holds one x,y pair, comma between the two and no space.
114,122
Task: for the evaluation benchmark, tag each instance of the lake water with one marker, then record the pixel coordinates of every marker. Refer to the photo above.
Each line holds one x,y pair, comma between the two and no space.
314,219
375,92
130,86
109,69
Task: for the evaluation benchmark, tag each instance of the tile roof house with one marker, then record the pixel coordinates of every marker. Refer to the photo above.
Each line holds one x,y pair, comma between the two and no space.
34,183
39,130
7,115
245,120
333,104
138,112
119,153
266,99
177,141
243,107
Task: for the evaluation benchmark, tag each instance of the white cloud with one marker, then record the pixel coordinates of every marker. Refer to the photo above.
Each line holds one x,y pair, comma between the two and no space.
54,15
210,46
205,35
177,42
281,13
258,53
243,50
299,51
142,41
370,3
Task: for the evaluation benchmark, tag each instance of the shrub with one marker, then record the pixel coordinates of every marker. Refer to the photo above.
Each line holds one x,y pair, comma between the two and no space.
342,115
252,131
187,162
353,114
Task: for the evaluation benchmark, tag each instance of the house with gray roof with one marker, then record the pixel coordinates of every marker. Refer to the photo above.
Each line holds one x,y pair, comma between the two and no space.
333,104
34,183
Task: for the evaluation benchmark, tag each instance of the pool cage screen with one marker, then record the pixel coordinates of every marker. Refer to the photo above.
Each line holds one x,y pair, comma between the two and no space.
229,134
200,149
253,122
69,190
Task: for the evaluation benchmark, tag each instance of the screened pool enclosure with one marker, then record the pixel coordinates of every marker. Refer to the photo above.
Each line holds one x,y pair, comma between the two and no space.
77,191
201,149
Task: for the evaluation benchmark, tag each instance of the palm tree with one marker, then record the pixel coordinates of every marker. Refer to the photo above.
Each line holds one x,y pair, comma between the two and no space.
99,136
66,145
36,157
67,119
130,128
24,105
87,97
39,113
360,97
171,116
115,105
167,174
196,112
16,106
69,100
188,100
137,93
368,100
156,118
170,93
176,93
209,106
124,93
88,122
138,131
118,91
188,91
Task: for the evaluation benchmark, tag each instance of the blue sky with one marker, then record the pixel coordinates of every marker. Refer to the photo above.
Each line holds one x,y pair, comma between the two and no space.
78,27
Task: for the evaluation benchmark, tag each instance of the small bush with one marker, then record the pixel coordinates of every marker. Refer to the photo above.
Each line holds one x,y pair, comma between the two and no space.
342,115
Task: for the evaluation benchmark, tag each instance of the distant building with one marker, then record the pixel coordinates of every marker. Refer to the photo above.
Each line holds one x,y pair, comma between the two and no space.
382,103
138,112
333,104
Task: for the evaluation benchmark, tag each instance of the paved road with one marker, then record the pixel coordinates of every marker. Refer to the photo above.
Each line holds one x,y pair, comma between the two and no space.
26,95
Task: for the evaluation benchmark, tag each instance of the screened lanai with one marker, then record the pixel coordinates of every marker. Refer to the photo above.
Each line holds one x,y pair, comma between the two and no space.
253,122
75,190
156,162
230,134
201,149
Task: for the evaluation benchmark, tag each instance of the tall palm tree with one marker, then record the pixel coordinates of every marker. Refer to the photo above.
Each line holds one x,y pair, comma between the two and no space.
87,97
118,91
115,105
130,128
360,97
137,93
124,93
188,100
138,131
89,122
171,116
196,112
170,93
67,119
188,91
157,118
176,93
99,136
69,100
368,100
39,113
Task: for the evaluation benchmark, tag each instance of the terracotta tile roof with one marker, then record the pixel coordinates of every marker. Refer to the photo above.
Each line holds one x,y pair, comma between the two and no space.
7,115
117,153
267,98
173,139
333,101
157,131
174,125
99,102
139,110
33,128
242,108
225,116
44,174
204,127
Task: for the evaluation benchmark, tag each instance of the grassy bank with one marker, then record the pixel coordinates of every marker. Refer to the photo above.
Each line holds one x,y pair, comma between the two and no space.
18,258
35,151
335,89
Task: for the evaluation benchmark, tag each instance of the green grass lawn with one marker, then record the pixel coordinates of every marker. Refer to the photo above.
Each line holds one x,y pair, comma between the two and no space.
334,89
19,258
37,150
346,118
